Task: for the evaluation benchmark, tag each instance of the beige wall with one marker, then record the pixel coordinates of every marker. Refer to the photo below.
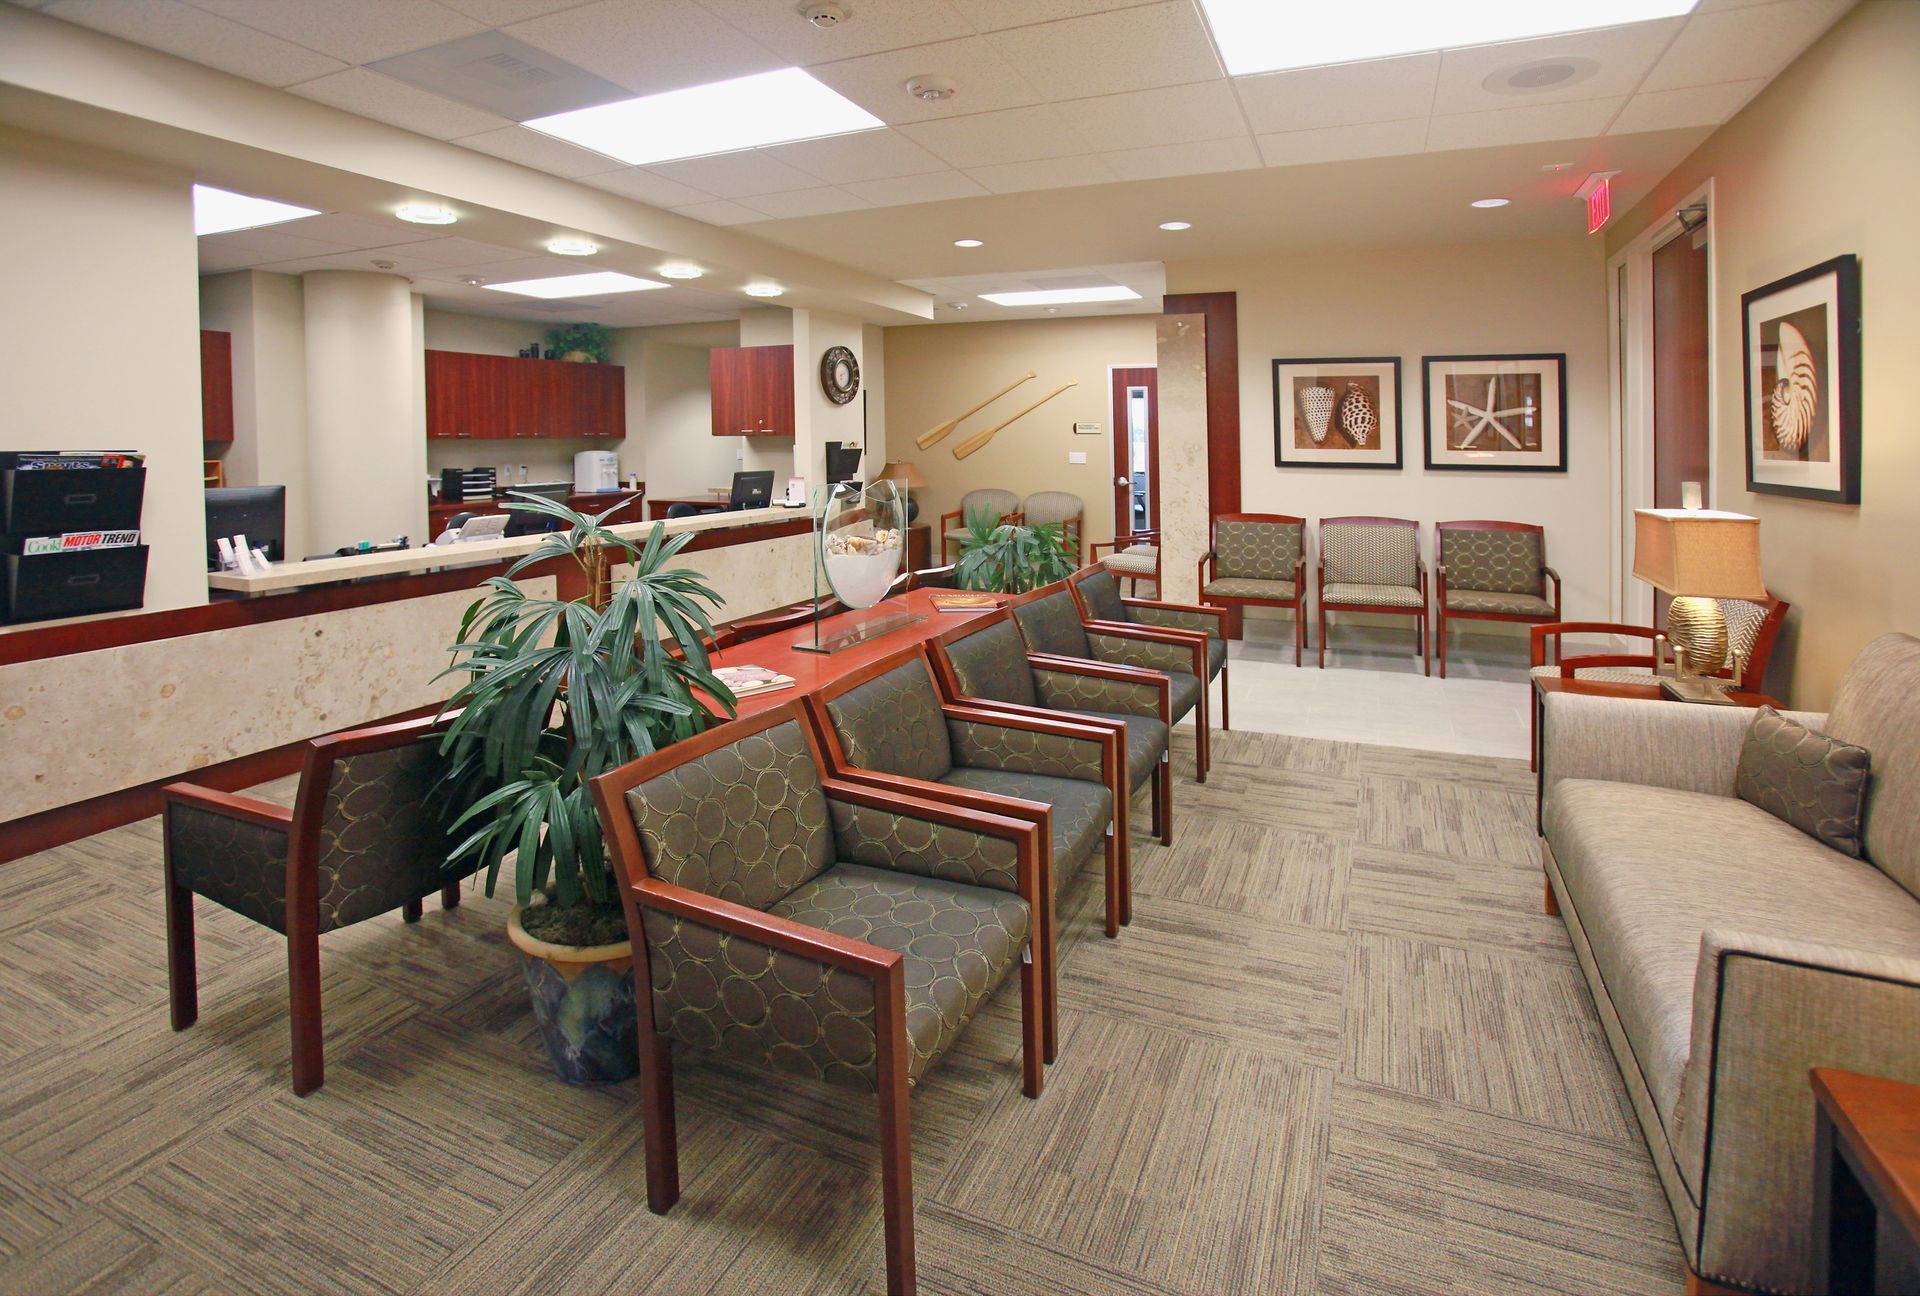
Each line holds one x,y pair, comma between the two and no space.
1523,296
934,371
264,313
1824,162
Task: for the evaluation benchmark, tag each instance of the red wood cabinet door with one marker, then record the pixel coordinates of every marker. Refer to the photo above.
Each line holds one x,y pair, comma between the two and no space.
216,386
752,390
465,396
537,399
601,400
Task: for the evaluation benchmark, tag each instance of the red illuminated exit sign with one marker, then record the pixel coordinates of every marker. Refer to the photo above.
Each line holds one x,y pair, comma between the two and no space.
1599,205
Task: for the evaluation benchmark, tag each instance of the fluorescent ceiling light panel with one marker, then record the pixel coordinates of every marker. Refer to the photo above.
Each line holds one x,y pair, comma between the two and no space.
1261,36
580,285
768,108
217,211
1061,296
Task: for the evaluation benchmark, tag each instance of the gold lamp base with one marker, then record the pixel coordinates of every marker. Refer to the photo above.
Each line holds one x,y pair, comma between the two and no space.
1697,629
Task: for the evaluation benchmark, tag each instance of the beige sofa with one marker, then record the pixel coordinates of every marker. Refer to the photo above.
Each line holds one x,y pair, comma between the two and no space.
1728,952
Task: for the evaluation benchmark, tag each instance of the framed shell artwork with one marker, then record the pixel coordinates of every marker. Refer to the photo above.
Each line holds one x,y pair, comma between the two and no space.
1495,413
1337,413
1802,351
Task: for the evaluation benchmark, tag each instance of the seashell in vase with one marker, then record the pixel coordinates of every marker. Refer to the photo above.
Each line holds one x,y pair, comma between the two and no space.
1357,417
1317,404
1796,390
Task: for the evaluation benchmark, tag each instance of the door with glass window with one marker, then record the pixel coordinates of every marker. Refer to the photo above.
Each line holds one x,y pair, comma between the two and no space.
1136,451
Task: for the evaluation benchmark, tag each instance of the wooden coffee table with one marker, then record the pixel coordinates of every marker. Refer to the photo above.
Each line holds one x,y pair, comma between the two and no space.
1866,1181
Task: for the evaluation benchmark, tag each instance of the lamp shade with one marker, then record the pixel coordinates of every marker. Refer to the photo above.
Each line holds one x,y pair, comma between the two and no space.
903,471
1701,553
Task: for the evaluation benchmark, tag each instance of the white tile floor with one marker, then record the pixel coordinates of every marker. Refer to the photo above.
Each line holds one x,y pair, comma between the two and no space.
1372,690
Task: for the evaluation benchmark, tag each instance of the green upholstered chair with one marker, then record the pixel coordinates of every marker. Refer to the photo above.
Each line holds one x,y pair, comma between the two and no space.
363,838
1257,560
1097,591
1062,507
1373,564
1491,571
811,927
999,505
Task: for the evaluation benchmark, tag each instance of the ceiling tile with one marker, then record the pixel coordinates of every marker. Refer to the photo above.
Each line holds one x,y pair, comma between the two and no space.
720,213
1623,56
1740,44
1530,125
219,260
1012,135
1342,143
992,15
986,80
178,28
644,186
1694,106
370,94
1238,154
901,190
648,45
865,155
400,259
805,202
358,31
735,175
522,267
1205,110
1049,173
541,152
1394,89
877,25
267,245
462,252
344,230
1114,52
498,13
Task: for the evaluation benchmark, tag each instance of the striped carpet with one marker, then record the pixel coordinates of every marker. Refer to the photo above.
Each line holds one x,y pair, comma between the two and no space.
1339,1050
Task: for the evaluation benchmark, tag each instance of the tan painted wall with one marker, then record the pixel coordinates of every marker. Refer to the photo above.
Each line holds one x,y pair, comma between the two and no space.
264,313
1822,163
934,371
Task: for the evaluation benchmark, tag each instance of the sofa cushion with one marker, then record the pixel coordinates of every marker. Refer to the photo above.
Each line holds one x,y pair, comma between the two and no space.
1816,783
1468,600
1878,707
1649,869
1146,740
1081,810
1372,595
1281,591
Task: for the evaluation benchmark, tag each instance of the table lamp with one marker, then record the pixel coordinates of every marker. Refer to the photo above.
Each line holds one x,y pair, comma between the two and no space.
903,471
1698,556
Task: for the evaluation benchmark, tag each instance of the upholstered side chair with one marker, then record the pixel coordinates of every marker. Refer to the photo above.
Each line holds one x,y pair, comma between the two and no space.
1050,621
1491,571
999,505
812,927
1373,564
1257,560
364,838
1064,508
1098,593
1133,556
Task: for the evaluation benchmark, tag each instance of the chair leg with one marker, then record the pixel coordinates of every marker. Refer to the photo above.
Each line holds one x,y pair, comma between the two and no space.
1049,975
411,910
1440,642
1299,632
1166,802
183,988
303,989
1032,1066
1111,851
1323,637
657,1123
1553,904
450,896
1159,805
1423,642
1203,748
896,1153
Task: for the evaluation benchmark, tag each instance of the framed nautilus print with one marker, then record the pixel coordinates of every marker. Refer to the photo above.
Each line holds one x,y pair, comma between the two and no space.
1802,343
1337,413
1495,413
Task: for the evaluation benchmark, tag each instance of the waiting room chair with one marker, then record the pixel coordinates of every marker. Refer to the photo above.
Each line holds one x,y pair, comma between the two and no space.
1098,593
998,505
1063,507
1257,560
1490,571
1133,556
364,837
1373,564
819,928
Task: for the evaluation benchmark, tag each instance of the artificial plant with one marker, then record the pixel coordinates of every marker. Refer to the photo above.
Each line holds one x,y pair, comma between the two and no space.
1011,558
595,341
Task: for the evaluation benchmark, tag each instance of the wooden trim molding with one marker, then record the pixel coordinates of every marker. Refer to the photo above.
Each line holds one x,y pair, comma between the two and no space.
1222,313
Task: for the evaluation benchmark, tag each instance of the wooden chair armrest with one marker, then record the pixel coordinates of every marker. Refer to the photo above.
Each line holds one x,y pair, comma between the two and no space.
769,929
247,809
993,803
1097,670
1203,609
1191,639
1034,880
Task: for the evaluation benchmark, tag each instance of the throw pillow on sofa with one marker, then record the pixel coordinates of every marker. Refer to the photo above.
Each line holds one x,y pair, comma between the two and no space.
1815,783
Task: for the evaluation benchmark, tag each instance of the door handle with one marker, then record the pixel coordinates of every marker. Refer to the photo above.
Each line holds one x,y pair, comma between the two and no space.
1119,481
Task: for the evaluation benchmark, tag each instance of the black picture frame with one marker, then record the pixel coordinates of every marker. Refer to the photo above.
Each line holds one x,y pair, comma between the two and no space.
1844,271
1556,361
1283,416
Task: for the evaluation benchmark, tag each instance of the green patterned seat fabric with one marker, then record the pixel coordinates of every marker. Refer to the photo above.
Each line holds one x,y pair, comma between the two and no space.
1134,560
1473,600
1175,661
1051,624
983,745
909,844
894,724
1246,587
232,862
992,663
1600,674
1375,595
1146,742
1363,553
1065,690
1052,506
1081,810
957,943
1496,562
1101,592
1261,551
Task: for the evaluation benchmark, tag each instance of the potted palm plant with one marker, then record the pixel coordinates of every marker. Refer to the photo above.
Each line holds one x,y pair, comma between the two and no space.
1011,558
552,693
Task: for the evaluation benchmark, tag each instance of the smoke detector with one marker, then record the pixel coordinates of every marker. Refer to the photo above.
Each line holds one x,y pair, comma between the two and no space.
824,16
1541,74
383,265
956,305
931,88
472,281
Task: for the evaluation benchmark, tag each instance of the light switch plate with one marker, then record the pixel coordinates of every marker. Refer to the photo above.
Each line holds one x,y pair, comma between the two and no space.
1076,456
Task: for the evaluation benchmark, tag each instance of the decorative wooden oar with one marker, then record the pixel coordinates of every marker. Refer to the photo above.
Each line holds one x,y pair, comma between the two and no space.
928,439
979,439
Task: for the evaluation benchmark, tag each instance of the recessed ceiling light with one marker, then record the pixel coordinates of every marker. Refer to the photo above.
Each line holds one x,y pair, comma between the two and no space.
1062,296
768,108
763,290
680,270
1260,36
1176,225
967,243
580,285
572,247
216,211
1491,202
426,213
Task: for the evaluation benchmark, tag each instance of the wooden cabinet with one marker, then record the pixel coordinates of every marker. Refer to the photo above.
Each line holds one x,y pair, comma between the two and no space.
751,390
216,386
486,397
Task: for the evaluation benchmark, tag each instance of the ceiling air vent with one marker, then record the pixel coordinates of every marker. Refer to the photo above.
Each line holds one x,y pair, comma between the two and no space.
508,78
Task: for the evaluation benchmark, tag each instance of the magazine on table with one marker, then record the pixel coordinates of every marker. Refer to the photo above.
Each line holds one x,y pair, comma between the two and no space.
745,681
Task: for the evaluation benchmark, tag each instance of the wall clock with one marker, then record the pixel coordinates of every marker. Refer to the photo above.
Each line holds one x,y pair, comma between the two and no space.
839,375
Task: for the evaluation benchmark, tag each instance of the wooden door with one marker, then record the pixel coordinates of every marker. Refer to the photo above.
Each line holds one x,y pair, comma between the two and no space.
1680,451
216,386
1136,450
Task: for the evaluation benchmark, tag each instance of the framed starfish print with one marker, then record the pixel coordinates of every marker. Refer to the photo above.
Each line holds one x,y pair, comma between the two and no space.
1337,413
1496,413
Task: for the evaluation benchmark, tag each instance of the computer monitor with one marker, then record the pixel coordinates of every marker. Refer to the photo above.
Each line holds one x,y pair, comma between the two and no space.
751,490
522,522
257,512
843,461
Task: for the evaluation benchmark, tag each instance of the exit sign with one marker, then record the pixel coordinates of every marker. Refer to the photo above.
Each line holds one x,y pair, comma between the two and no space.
1599,205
